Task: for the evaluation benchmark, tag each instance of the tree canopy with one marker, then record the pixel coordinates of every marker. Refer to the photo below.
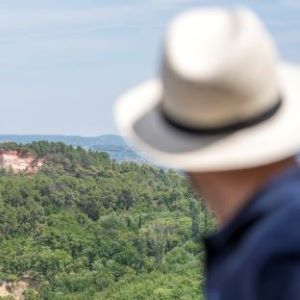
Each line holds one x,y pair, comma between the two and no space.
87,227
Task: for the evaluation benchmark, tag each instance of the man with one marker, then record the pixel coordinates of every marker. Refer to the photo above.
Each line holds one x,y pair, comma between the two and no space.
227,112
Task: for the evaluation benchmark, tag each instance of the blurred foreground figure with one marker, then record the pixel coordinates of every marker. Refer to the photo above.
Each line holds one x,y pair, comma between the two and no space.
227,112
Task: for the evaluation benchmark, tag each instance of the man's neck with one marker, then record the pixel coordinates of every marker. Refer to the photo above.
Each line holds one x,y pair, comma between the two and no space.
227,192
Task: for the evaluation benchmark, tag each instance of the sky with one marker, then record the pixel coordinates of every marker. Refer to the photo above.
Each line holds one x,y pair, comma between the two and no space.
63,63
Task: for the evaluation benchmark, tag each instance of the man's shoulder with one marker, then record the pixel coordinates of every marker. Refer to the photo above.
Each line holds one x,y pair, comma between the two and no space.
278,232
284,217
273,240
278,260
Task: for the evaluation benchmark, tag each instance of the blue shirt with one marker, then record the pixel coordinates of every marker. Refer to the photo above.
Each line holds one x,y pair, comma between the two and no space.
257,256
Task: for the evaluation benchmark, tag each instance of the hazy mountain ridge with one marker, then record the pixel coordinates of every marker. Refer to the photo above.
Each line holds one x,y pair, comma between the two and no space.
114,145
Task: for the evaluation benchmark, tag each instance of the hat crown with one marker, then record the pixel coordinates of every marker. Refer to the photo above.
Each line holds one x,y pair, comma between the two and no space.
219,67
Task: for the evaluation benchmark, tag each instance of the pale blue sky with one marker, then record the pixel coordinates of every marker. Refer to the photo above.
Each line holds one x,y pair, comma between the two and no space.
64,62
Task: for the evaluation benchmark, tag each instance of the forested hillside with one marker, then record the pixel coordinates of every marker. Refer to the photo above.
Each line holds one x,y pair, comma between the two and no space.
85,227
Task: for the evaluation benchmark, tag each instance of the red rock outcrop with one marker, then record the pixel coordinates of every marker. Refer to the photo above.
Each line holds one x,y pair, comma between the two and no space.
19,162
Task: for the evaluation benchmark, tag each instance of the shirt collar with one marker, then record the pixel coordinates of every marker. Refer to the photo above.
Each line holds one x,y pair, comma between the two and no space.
260,204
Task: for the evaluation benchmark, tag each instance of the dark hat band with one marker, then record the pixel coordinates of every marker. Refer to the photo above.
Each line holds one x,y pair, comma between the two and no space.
230,128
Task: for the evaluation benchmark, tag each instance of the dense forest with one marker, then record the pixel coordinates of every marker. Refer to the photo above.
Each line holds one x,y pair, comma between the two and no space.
87,227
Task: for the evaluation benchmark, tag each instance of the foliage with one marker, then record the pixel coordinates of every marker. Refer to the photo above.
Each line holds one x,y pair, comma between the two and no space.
86,227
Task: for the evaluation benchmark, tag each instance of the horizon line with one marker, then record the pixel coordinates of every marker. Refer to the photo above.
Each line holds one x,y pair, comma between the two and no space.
60,135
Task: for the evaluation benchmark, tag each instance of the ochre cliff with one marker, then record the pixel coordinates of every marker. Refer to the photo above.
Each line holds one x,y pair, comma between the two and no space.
19,162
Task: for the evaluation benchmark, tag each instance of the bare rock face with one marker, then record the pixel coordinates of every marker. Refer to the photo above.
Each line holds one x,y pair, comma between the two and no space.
15,290
19,162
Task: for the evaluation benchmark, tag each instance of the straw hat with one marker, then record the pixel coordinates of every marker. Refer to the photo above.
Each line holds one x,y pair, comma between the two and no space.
223,100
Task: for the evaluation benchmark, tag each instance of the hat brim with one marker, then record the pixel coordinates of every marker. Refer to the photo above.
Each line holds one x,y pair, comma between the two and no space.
139,119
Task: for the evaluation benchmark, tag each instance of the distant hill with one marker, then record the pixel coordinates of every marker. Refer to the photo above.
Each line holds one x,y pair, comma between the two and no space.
114,145
67,139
